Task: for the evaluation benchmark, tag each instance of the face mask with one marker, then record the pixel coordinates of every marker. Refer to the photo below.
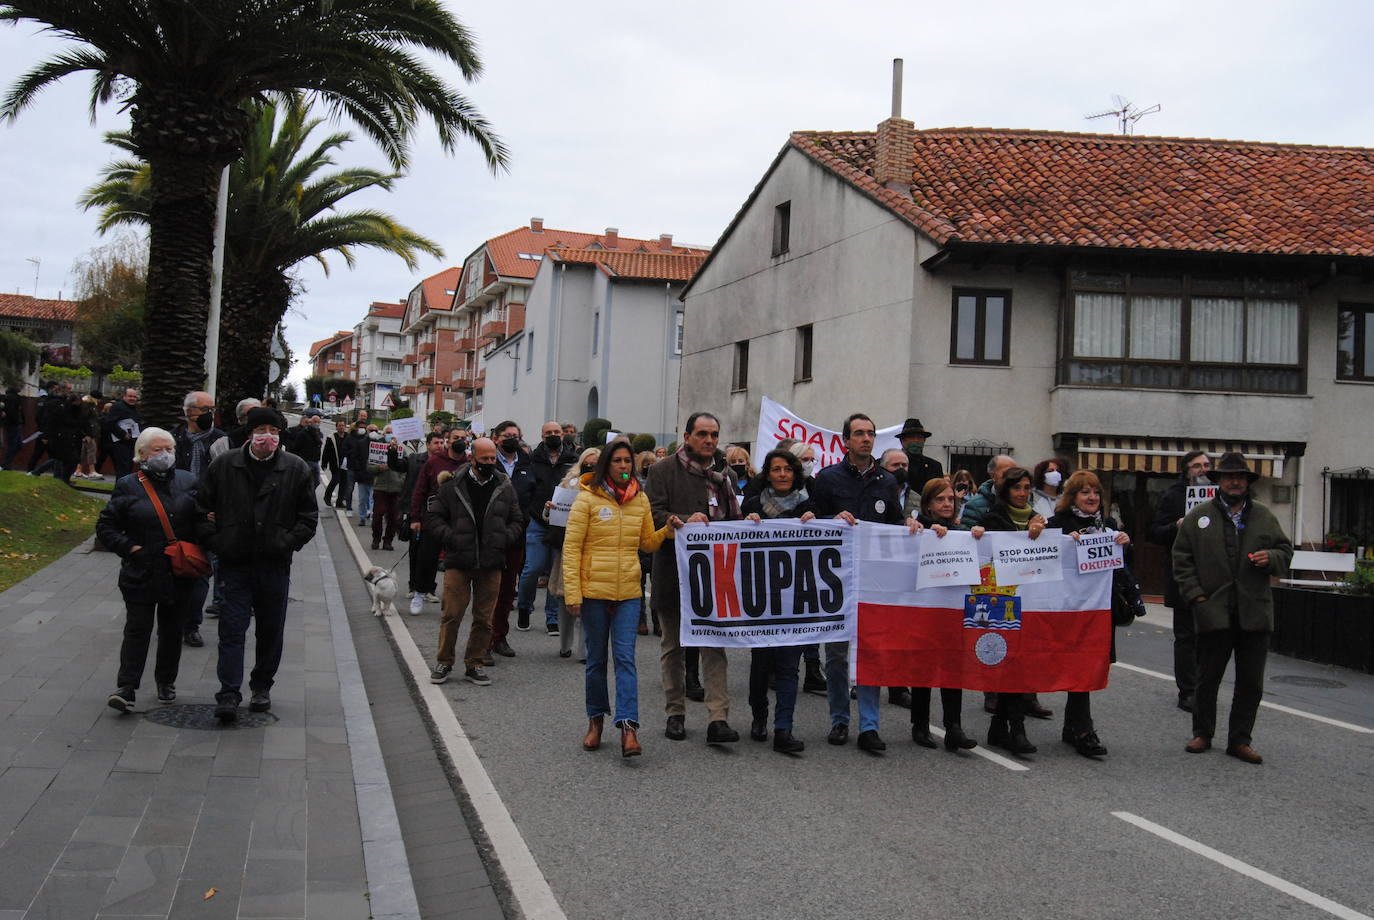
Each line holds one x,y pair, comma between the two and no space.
484,470
914,450
160,462
204,420
510,445
809,467
587,467
741,470
266,443
1053,478
553,442
458,448
570,440
374,435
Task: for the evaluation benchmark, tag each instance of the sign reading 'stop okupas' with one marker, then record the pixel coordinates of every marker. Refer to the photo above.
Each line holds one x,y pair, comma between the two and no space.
773,583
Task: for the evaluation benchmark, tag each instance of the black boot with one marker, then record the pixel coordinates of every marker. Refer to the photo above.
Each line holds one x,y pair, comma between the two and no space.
694,689
1018,743
814,681
998,733
956,740
920,717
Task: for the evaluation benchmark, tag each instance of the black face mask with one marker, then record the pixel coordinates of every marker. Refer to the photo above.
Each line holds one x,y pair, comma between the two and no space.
458,448
484,470
205,419
570,440
510,445
587,468
553,442
741,470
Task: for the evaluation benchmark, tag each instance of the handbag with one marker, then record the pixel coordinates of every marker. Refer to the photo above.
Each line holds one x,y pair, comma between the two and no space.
1127,603
188,560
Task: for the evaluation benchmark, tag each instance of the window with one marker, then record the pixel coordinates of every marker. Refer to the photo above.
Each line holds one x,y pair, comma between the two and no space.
740,378
596,330
338,356
1184,332
802,368
980,328
678,327
1355,342
529,352
1352,505
782,228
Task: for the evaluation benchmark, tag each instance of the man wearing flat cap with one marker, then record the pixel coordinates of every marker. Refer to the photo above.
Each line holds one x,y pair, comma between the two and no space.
920,468
258,509
1224,554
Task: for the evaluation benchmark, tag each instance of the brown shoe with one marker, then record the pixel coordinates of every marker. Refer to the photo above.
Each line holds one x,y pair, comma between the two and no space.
1198,745
592,741
629,741
1245,752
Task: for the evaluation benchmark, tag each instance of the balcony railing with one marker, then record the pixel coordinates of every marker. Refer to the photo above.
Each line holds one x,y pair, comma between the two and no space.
409,390
410,358
426,381
466,343
1175,375
426,348
463,379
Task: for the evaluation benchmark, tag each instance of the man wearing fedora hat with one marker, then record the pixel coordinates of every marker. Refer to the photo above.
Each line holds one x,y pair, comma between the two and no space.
1224,555
920,468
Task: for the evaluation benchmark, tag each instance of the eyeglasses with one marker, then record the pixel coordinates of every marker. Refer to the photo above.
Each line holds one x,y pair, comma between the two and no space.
860,433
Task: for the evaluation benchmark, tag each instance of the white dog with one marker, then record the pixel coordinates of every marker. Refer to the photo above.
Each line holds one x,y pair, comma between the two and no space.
382,587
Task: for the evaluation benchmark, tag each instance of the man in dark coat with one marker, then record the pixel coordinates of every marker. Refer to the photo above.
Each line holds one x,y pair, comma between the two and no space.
436,462
1224,555
307,441
475,516
12,408
1168,518
194,438
549,462
332,458
122,425
258,508
920,468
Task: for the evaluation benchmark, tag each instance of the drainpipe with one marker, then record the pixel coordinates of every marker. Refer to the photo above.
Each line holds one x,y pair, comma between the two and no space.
668,353
1297,502
556,339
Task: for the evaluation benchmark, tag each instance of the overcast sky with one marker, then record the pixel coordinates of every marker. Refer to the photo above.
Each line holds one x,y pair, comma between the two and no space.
659,118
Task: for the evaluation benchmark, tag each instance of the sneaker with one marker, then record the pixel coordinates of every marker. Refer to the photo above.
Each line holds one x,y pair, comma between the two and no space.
193,639
476,676
431,599
553,629
440,673
259,702
522,620
227,707
166,693
122,699
417,604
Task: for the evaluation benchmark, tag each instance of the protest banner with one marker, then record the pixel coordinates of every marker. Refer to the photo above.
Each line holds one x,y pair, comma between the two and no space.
1099,552
1197,495
777,422
1019,560
745,585
408,429
948,560
562,504
1041,637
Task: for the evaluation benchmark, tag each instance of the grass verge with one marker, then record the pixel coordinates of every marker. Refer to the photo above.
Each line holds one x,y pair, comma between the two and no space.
40,520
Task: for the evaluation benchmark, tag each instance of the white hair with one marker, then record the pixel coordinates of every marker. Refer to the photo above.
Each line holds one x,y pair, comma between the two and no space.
192,398
146,439
241,410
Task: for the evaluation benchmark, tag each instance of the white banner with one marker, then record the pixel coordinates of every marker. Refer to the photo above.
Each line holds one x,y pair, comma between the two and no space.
376,453
1098,552
1019,560
774,583
1197,495
562,504
407,429
948,560
777,422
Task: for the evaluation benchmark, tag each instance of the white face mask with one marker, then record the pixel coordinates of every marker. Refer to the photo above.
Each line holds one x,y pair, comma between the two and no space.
809,467
160,462
1053,478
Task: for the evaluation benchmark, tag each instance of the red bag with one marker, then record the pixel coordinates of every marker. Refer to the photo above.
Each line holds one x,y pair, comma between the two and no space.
188,559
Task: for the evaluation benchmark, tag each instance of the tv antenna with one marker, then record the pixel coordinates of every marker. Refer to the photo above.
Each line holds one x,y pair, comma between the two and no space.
37,266
1126,114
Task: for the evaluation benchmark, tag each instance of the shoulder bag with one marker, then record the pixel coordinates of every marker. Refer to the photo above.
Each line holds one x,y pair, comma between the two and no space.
188,559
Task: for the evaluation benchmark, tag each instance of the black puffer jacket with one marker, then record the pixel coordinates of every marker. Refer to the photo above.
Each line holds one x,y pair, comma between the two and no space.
263,523
128,520
468,546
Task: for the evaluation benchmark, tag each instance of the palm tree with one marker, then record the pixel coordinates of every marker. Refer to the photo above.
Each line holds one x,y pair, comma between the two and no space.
282,211
184,68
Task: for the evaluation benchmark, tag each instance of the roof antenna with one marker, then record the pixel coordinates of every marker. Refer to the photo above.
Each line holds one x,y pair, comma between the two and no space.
1125,113
896,87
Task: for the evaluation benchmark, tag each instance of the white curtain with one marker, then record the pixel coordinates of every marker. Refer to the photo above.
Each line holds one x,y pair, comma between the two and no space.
1218,329
966,329
1273,332
1099,325
1156,327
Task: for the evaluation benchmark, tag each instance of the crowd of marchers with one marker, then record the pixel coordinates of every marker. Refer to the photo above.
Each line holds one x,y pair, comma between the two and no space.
479,513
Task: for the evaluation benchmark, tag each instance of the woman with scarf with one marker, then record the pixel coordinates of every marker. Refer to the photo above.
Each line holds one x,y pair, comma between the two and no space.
1079,512
130,526
1012,511
781,493
609,524
939,513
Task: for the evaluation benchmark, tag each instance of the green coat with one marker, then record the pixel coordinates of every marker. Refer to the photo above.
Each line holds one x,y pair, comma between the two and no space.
1203,565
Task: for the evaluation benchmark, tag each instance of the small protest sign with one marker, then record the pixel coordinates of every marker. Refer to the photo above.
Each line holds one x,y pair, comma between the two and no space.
1098,552
1019,560
948,560
408,429
562,504
1197,495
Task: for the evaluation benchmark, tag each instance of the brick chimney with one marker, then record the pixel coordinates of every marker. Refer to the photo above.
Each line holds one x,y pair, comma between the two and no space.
612,238
537,224
896,139
665,242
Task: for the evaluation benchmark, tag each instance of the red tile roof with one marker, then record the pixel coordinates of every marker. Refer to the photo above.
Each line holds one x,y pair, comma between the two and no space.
505,249
983,185
317,347
26,307
437,288
655,266
387,309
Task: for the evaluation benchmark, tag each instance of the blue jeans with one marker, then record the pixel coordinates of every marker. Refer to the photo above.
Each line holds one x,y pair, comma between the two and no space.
538,556
364,502
781,662
837,690
252,592
618,623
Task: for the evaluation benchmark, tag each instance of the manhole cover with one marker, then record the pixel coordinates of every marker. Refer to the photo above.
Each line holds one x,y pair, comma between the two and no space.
1299,680
201,716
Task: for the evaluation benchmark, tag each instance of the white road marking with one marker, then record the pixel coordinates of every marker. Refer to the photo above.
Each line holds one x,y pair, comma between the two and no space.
527,882
983,752
1235,865
1348,726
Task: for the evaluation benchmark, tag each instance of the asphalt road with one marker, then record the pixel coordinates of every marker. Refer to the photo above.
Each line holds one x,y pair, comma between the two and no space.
691,831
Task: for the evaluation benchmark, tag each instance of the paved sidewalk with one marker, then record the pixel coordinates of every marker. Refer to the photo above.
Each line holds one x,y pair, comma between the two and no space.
143,815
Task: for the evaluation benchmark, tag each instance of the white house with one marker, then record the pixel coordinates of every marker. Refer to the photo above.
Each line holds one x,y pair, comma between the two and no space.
379,348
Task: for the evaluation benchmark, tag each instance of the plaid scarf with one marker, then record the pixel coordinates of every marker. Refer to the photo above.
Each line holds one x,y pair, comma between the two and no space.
777,504
726,507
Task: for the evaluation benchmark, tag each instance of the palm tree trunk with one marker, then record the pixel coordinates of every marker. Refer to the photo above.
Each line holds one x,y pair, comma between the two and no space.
250,310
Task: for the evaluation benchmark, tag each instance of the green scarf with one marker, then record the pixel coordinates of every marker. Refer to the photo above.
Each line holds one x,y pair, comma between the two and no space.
1021,517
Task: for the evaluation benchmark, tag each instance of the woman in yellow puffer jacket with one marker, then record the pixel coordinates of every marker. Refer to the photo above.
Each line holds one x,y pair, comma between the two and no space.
609,524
